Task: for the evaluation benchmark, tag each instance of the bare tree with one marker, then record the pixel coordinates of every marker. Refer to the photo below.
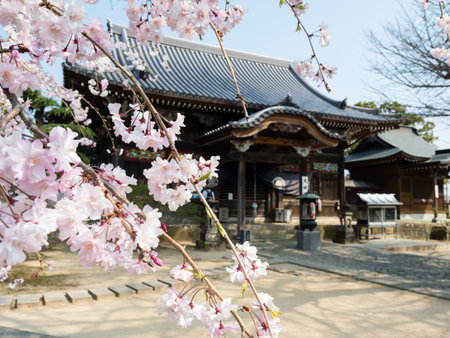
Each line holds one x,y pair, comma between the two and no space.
402,57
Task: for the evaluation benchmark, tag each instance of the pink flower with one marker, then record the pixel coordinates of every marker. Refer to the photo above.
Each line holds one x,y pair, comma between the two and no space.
92,200
30,161
177,307
15,54
63,147
154,256
438,53
325,35
16,282
303,68
4,273
329,71
182,272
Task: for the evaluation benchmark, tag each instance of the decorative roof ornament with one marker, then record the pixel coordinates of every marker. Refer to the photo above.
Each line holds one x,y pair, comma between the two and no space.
242,146
288,102
302,151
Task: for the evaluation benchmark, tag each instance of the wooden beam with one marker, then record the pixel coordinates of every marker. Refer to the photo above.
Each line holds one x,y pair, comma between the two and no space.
310,127
282,141
265,157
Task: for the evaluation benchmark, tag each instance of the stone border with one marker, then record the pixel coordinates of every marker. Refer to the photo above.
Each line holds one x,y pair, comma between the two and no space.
78,296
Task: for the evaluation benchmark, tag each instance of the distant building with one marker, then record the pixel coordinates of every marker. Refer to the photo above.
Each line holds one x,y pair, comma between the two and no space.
293,130
400,161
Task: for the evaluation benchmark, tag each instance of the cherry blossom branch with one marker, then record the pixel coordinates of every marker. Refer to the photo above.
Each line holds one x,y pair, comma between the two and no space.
230,67
11,115
113,145
177,156
236,254
309,36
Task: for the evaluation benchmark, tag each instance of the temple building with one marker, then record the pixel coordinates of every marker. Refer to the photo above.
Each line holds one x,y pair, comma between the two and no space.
400,161
293,131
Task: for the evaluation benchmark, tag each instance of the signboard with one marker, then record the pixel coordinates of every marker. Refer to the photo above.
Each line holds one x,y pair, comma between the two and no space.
305,184
325,167
135,154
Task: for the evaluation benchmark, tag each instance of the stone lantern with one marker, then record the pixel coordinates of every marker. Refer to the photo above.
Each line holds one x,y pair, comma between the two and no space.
307,238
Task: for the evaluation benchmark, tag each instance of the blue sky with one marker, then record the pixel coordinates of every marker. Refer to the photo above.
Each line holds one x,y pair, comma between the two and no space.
269,30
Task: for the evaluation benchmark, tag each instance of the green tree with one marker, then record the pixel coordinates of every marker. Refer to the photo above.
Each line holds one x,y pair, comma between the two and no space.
399,111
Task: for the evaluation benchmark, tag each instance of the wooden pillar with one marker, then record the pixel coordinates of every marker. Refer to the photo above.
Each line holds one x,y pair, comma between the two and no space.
241,193
436,205
341,174
302,166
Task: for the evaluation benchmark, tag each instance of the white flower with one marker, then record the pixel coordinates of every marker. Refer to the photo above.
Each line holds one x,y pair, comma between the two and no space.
182,272
4,273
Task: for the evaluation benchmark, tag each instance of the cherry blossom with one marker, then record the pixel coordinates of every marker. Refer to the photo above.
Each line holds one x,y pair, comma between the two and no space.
325,35
4,273
182,272
250,263
177,307
303,69
16,282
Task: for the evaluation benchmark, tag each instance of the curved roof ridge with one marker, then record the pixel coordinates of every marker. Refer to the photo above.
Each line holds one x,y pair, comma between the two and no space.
258,117
365,109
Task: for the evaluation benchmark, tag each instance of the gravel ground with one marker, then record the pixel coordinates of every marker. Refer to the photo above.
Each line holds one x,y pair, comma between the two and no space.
424,272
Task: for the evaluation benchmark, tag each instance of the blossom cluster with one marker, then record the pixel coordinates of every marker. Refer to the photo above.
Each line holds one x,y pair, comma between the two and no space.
299,6
52,31
181,307
98,89
306,69
142,130
171,182
215,315
47,190
273,315
443,22
442,52
188,18
250,262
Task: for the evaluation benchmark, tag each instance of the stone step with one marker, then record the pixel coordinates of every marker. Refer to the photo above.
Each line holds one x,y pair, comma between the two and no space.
269,226
101,293
6,302
55,298
122,291
79,296
29,300
273,235
156,285
273,232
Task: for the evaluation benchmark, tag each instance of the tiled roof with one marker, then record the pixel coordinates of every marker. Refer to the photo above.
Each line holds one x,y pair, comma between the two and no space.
408,141
404,140
371,155
199,71
441,156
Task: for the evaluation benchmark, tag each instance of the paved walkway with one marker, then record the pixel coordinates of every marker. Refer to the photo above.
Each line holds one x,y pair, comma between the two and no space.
375,261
